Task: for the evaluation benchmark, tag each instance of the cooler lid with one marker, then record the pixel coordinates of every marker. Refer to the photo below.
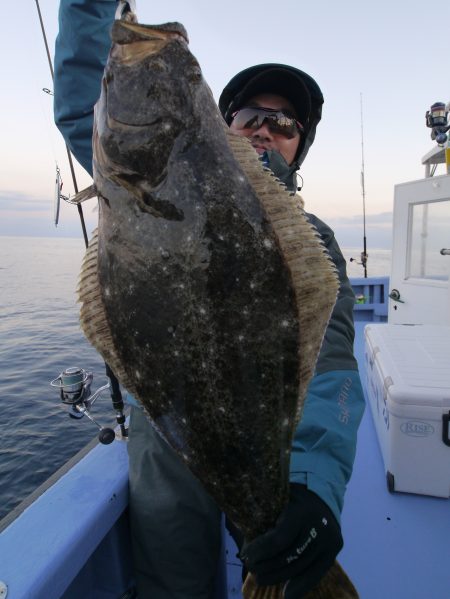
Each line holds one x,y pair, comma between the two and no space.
416,358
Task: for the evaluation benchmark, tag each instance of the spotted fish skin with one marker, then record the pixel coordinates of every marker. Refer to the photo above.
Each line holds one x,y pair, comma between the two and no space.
205,287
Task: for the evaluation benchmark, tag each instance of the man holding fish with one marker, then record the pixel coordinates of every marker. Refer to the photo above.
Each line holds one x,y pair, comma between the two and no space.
175,523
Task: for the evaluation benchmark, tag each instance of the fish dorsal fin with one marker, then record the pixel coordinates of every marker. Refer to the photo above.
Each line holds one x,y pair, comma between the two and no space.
92,313
313,273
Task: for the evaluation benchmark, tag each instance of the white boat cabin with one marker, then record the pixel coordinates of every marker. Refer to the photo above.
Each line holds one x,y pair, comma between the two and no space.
419,283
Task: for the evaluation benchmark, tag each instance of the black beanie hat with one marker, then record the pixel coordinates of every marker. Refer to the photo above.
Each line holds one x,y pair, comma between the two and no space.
296,86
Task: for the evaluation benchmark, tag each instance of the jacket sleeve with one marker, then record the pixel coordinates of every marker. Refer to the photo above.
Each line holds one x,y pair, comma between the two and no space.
324,444
81,51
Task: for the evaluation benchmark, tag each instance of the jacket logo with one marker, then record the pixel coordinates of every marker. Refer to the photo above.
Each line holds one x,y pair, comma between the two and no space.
344,411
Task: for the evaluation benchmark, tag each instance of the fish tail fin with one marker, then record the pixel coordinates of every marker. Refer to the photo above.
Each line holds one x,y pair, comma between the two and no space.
334,585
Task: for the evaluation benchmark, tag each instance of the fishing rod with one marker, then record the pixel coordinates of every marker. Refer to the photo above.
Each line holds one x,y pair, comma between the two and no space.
364,254
74,383
69,155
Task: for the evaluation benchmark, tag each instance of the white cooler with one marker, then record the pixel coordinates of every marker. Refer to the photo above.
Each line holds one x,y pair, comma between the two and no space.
408,388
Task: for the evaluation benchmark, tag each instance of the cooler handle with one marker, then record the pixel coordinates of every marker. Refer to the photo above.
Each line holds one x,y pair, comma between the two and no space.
446,429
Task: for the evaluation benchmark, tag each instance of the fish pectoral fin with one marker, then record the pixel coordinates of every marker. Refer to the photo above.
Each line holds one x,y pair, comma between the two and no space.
84,194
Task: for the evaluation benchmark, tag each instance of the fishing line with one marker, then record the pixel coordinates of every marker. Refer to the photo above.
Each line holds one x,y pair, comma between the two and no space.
48,120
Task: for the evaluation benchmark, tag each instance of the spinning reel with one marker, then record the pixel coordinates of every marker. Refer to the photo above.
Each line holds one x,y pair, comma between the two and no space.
437,121
74,386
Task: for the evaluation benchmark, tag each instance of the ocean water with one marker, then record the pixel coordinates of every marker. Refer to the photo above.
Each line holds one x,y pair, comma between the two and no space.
40,337
378,262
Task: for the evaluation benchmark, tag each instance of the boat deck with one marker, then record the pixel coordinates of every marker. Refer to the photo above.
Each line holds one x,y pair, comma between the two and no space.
396,544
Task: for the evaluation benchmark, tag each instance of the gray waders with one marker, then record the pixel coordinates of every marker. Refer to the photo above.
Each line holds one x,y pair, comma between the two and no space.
175,524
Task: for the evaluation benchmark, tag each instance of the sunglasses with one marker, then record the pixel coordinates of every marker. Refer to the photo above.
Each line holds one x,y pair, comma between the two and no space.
277,121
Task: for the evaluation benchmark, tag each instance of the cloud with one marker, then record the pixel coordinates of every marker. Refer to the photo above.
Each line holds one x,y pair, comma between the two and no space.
381,219
18,202
349,230
32,216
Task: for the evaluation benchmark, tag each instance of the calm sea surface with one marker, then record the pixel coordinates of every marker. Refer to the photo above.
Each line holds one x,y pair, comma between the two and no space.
40,337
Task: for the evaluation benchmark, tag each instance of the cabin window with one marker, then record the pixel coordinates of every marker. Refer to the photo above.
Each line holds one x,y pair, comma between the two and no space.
429,232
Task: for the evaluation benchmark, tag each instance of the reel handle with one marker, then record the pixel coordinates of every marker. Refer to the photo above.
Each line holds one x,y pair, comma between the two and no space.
106,436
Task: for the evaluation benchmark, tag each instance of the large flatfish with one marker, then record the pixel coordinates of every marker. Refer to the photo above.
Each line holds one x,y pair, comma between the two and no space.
204,288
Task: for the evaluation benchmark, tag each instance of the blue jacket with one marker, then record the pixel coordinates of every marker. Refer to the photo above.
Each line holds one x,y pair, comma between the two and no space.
325,441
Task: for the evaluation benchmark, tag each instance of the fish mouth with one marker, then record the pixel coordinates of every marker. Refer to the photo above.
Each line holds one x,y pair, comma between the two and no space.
115,123
164,31
132,42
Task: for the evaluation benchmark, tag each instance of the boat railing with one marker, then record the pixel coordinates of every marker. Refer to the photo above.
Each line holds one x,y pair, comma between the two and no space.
371,298
64,523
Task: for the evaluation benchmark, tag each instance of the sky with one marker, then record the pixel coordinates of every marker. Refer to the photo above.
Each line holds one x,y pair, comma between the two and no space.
388,57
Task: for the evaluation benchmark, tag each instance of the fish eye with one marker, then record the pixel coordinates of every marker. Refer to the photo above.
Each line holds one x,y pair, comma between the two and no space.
195,74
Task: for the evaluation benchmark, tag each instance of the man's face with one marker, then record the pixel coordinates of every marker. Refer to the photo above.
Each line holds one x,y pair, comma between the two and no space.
263,139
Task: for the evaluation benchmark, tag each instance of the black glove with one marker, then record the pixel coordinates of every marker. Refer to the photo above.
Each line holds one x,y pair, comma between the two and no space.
300,548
